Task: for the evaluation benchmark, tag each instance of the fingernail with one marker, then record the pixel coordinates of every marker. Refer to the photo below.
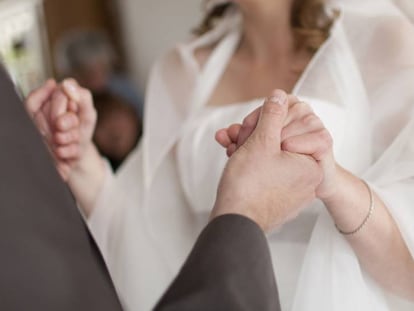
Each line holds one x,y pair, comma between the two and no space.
71,89
279,98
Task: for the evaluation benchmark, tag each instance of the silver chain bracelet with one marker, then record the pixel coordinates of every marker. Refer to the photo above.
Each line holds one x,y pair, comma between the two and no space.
371,210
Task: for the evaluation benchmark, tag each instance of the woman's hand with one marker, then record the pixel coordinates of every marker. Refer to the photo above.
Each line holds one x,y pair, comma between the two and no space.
303,133
65,116
263,182
39,107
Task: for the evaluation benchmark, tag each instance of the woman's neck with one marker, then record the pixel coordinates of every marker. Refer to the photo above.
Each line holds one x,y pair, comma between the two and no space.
267,31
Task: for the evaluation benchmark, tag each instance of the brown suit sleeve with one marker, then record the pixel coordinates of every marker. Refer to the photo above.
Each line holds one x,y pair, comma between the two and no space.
48,259
229,269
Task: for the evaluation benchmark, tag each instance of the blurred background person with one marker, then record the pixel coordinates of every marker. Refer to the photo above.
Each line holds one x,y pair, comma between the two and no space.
118,128
89,57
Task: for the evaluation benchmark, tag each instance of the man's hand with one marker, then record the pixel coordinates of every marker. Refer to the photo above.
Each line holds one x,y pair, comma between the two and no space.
263,182
303,133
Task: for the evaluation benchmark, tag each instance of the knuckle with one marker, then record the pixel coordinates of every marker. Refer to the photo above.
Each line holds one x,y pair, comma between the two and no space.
75,149
310,120
300,109
325,144
60,152
67,137
326,137
304,108
59,137
293,99
62,121
272,109
263,139
71,80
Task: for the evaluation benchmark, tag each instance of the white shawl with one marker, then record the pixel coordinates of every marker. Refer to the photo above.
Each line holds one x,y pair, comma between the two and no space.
366,68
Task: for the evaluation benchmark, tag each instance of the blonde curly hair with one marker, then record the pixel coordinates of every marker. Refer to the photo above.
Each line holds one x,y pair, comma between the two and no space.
310,21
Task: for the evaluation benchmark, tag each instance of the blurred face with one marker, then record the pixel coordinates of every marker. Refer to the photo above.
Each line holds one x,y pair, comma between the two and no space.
95,76
117,135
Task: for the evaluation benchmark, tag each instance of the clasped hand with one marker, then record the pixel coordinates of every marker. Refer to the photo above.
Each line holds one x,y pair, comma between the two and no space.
279,163
65,116
280,160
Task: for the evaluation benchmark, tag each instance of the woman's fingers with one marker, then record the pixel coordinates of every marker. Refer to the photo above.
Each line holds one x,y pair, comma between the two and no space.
250,122
317,144
232,148
300,120
223,138
309,123
227,136
38,97
59,104
83,98
67,138
293,100
68,152
297,111
233,132
73,106
67,122
42,125
248,126
72,89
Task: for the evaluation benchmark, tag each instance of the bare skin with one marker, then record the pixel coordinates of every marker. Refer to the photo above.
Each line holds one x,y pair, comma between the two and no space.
379,246
267,57
263,182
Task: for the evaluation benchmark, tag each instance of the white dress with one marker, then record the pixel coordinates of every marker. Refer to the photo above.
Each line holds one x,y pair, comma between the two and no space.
359,83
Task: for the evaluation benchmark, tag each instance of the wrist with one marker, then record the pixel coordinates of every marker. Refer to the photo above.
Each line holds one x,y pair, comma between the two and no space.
90,160
352,204
87,178
336,189
242,208
344,185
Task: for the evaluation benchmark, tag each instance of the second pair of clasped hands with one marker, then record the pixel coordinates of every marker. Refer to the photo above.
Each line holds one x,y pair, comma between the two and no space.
280,156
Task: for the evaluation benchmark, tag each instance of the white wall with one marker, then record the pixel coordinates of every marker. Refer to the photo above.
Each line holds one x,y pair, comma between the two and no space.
151,27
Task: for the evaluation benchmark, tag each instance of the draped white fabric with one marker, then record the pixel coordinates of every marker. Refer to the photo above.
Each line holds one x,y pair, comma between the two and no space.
361,85
407,7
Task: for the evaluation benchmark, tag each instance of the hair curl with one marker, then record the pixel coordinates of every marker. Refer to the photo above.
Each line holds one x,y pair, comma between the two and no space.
310,21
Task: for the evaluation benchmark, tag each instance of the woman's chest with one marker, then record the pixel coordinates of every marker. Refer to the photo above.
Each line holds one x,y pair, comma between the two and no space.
241,83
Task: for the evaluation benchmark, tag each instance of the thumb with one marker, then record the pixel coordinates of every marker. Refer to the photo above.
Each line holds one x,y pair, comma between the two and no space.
272,118
83,99
71,88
